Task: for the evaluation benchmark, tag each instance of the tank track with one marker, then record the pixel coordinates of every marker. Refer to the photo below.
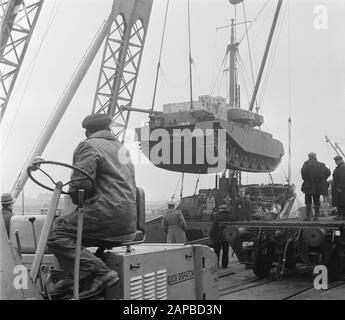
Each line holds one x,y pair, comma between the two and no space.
238,159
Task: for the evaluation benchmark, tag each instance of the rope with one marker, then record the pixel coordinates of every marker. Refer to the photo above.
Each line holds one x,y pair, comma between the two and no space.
225,59
272,56
160,56
182,181
249,50
196,72
273,198
254,20
196,185
244,74
284,173
235,29
289,91
244,69
171,84
190,61
220,83
173,196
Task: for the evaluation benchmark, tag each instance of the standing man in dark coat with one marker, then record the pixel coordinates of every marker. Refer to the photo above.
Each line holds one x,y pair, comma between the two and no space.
338,188
243,207
109,210
314,175
216,234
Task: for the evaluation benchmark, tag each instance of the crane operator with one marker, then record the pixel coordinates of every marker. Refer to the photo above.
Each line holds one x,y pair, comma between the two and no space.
109,209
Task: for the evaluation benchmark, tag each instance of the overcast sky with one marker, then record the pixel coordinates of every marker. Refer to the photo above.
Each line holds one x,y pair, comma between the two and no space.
306,71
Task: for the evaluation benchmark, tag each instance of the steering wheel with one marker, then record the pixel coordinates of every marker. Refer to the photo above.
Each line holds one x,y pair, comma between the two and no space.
36,166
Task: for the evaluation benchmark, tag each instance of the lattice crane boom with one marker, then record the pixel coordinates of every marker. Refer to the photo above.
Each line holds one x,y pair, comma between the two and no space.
121,62
18,20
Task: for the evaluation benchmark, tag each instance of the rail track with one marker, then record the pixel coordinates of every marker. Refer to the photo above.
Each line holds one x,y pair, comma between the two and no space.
237,283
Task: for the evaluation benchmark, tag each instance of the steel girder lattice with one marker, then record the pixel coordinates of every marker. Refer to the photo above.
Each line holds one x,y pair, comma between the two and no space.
18,20
121,61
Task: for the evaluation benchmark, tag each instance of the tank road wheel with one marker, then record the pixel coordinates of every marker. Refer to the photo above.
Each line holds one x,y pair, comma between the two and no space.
336,264
262,164
270,164
254,163
245,161
229,152
236,158
263,259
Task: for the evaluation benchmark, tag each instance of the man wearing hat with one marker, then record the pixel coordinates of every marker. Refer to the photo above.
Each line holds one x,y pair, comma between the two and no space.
109,210
338,187
7,207
216,234
314,175
174,224
243,209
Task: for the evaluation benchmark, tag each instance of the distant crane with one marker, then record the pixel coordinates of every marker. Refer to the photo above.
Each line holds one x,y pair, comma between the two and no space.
338,148
17,22
335,147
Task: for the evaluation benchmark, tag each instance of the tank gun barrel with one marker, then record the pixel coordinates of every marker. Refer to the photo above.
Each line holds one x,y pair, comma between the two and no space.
140,110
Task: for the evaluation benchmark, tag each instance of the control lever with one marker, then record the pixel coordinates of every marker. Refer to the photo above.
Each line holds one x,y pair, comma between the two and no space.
78,245
32,220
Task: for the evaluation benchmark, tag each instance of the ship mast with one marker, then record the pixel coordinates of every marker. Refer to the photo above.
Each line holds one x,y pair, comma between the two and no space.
233,85
234,88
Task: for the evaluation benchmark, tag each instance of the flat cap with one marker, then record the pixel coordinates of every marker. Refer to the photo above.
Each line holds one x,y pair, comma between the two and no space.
336,158
96,122
6,198
223,208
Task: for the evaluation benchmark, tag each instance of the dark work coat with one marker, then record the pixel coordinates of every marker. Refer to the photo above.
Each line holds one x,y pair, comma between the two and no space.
314,175
243,209
216,233
110,213
174,225
338,187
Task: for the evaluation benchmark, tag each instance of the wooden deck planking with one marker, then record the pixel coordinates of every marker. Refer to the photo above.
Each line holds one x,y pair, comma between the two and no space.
271,290
336,291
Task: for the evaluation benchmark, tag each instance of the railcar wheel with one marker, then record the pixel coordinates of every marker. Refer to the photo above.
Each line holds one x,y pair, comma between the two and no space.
336,264
291,261
263,260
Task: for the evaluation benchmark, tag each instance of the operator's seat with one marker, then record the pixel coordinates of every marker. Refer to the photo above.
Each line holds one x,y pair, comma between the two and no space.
141,227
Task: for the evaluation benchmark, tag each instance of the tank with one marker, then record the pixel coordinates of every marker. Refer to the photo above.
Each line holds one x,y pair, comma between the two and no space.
190,140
